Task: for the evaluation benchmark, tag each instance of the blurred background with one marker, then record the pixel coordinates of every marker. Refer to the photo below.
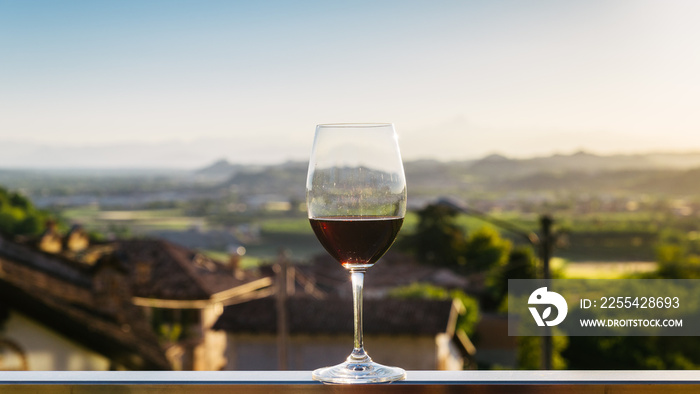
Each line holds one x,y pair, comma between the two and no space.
153,158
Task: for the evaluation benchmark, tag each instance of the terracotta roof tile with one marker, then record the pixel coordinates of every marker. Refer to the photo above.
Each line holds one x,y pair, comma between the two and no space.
173,272
335,316
393,270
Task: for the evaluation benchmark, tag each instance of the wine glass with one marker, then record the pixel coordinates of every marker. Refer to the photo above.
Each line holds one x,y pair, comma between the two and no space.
356,199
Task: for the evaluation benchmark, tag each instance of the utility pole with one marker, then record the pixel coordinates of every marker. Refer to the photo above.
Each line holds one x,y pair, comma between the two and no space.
281,305
546,243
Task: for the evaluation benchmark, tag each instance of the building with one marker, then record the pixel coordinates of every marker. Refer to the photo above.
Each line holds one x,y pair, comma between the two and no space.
55,315
135,304
314,305
183,293
412,334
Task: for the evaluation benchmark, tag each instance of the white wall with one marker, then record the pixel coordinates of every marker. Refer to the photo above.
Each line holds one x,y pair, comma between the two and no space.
47,350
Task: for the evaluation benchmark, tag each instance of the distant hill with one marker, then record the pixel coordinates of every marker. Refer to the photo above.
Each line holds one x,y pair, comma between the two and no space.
502,167
667,174
220,170
287,179
664,173
655,173
493,176
499,164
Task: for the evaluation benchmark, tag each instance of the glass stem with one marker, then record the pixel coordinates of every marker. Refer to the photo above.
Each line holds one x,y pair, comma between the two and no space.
358,353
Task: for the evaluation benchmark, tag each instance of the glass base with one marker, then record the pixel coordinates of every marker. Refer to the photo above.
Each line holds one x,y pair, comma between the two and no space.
353,372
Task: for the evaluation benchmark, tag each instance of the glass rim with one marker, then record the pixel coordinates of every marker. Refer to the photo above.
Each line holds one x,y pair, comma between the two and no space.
353,125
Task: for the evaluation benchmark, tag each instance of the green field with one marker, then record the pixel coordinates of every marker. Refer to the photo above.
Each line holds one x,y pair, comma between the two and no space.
597,249
607,270
291,234
137,221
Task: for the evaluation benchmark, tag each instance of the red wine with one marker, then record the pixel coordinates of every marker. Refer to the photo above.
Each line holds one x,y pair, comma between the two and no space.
356,241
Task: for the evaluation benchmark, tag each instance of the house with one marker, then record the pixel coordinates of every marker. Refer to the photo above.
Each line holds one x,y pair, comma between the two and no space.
134,304
412,334
53,316
183,293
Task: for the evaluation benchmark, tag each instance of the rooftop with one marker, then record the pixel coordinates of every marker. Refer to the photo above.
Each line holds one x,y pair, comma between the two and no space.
68,303
334,316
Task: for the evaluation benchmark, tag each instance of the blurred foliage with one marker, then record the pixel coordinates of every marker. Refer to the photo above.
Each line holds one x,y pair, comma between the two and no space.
521,264
467,319
530,352
174,325
678,257
18,216
485,250
437,240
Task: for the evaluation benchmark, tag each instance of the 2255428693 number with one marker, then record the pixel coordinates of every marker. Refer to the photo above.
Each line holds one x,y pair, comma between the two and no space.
640,302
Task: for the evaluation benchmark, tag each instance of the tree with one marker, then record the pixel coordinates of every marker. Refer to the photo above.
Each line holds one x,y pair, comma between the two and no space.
18,216
521,264
678,257
438,240
485,249
467,319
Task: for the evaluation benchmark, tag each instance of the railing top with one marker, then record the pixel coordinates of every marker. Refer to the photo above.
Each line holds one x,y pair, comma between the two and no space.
135,378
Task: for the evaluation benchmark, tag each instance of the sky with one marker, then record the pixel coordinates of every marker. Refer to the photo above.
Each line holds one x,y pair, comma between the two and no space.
154,83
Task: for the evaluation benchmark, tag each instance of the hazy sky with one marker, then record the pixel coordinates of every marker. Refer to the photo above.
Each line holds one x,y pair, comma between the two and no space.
88,82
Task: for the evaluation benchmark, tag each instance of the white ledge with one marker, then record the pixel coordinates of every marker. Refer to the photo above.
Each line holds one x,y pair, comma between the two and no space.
440,378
